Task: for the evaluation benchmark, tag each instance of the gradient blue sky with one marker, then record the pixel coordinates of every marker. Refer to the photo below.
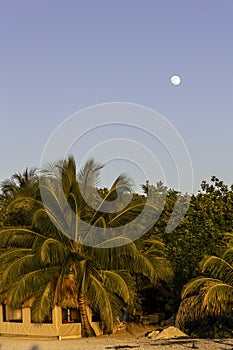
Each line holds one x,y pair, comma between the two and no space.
58,57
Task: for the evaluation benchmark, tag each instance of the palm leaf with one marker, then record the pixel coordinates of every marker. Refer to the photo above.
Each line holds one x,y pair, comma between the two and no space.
218,268
42,304
116,284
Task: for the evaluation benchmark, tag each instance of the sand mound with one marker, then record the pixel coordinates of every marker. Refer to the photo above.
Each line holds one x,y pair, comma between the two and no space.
167,333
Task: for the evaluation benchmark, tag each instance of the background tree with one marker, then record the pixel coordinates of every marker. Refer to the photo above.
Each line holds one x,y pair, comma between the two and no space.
19,185
199,233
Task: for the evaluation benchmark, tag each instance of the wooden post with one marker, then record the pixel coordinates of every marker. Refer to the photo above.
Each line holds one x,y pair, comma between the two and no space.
57,318
26,315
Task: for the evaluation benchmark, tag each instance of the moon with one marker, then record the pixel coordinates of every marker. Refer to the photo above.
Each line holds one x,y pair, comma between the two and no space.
175,80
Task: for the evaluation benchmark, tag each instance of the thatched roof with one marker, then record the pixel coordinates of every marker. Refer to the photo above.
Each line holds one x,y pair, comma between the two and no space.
69,293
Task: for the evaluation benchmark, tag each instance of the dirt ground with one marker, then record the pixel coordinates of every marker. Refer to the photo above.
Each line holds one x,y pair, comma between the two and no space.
132,337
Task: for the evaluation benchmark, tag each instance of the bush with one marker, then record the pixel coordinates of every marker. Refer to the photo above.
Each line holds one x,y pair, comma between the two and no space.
211,327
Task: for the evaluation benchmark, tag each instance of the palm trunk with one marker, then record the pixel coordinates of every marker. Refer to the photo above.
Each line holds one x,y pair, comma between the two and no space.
86,328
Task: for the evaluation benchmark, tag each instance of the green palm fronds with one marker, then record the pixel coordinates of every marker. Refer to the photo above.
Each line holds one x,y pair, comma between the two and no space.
212,295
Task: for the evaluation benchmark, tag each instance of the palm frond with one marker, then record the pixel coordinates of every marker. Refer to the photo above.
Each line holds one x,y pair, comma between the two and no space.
9,234
228,255
116,284
53,252
100,301
42,304
218,299
194,287
89,174
115,253
218,268
141,265
28,285
120,186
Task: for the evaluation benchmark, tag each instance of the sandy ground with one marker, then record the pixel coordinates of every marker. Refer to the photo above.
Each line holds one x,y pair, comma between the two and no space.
132,338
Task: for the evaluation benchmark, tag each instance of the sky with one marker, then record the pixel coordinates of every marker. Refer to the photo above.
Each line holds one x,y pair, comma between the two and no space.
59,57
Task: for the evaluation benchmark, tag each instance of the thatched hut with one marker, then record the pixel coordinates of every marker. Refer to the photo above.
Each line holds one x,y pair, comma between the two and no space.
63,322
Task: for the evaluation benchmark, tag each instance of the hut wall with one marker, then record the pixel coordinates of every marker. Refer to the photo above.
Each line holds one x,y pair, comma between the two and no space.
55,329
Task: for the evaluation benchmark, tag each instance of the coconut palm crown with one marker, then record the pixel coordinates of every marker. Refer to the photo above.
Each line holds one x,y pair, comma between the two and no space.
212,293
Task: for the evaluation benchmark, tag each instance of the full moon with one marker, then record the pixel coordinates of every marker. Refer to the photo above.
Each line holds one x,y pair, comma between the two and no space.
175,80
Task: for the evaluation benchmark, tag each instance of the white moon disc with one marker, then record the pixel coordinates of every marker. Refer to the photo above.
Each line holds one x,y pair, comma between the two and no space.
175,80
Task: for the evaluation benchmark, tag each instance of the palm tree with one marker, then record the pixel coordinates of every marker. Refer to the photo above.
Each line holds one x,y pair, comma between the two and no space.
18,182
52,250
19,185
43,264
211,294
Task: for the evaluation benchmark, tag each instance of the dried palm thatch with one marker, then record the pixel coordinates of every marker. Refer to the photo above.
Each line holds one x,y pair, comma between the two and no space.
69,293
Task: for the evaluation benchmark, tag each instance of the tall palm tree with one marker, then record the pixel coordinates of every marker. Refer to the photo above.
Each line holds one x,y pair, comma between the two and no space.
53,248
211,294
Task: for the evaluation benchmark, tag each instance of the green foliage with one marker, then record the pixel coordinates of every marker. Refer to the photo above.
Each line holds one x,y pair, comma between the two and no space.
199,233
48,246
210,294
211,327
18,186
